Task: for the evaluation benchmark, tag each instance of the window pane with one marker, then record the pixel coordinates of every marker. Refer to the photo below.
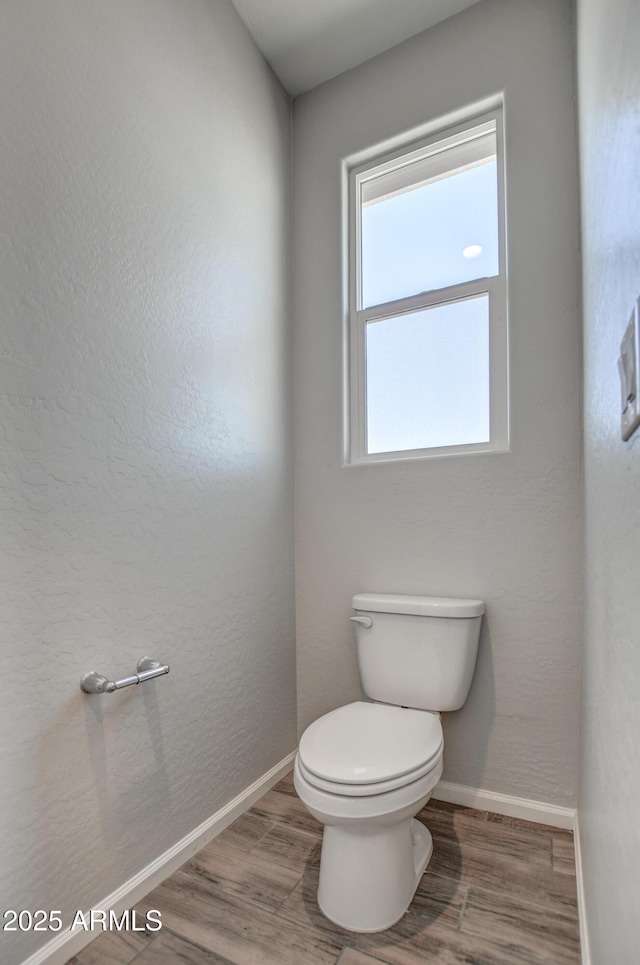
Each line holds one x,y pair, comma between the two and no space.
413,239
428,377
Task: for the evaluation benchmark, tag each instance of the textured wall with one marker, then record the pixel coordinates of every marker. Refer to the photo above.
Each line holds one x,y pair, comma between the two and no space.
146,471
505,528
609,76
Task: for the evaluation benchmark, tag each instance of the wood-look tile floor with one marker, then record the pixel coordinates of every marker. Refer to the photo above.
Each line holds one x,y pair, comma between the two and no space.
498,891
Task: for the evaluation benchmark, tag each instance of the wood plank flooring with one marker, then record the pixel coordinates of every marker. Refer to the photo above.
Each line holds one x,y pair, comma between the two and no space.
498,891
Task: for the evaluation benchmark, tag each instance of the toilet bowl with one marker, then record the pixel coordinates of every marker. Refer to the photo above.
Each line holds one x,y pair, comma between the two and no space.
366,769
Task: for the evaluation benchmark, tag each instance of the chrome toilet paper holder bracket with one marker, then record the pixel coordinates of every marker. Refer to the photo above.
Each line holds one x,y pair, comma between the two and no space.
148,668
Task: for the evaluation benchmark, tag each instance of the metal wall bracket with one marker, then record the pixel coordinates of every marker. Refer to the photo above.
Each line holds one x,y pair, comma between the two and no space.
148,668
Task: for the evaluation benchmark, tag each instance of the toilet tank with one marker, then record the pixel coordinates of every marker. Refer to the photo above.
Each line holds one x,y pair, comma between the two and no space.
417,651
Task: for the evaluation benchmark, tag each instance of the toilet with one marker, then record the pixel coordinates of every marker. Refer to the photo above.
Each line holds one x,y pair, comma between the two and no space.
366,769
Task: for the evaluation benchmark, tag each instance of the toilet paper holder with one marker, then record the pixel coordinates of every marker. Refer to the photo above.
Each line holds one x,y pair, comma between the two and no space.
148,668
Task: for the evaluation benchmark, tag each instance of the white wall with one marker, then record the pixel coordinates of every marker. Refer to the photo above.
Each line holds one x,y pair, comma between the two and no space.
146,470
609,88
504,528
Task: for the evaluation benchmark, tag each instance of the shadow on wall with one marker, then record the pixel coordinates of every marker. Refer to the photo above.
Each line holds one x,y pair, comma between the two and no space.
143,784
109,786
467,731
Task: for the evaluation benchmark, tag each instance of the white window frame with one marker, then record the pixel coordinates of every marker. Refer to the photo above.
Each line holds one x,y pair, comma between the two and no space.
496,289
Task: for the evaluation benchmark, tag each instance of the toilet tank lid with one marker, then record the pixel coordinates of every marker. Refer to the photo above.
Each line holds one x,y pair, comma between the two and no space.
424,606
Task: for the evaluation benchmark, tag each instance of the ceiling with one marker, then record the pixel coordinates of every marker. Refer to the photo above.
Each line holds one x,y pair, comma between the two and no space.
308,41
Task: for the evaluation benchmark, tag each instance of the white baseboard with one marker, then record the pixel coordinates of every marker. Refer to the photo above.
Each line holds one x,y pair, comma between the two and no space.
514,807
60,949
582,909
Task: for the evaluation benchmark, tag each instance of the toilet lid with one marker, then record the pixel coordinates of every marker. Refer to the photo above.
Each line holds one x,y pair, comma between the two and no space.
366,743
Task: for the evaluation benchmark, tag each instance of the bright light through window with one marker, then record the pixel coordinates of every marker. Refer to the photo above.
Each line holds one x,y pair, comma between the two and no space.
428,322
414,241
428,377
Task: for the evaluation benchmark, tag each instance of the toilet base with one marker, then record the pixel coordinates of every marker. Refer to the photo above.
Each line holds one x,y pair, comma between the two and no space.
369,875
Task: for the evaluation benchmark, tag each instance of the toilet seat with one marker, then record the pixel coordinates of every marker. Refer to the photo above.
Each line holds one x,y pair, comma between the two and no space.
367,790
366,749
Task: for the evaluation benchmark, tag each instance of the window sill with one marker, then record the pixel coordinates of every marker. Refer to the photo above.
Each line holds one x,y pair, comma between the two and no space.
419,455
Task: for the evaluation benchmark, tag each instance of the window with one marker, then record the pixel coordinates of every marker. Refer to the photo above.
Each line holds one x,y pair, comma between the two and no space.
427,292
